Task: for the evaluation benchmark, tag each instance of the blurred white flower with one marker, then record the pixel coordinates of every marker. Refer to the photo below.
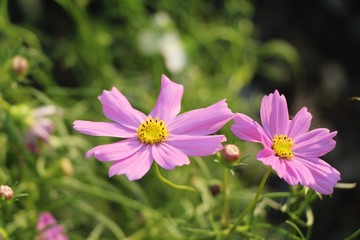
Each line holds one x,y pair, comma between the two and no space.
163,39
170,47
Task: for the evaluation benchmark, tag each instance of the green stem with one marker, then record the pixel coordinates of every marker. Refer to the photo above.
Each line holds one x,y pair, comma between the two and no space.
354,235
168,182
251,206
226,206
297,229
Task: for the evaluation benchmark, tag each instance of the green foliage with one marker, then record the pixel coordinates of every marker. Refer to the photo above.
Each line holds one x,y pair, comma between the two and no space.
74,50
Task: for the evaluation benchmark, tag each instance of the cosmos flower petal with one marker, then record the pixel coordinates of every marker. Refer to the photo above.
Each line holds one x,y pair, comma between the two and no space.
300,123
41,133
43,129
49,229
296,172
168,156
315,143
325,176
168,104
45,111
267,156
201,121
118,109
265,110
45,219
196,145
134,166
115,151
247,129
108,129
279,115
52,233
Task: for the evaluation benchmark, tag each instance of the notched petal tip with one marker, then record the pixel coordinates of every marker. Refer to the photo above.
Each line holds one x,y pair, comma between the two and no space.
165,81
223,104
106,93
164,77
75,123
168,103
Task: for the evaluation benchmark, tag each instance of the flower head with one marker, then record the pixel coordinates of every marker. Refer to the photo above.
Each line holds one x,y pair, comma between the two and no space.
49,229
40,125
289,147
163,135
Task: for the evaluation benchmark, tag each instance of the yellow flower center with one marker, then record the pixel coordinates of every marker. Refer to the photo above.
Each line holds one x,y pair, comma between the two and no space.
152,131
282,146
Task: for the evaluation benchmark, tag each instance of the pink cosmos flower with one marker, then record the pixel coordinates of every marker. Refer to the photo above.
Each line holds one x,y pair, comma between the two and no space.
49,229
41,127
161,136
289,147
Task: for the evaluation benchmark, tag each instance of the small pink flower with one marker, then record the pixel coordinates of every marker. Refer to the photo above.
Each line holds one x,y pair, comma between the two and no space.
41,127
289,147
161,136
49,229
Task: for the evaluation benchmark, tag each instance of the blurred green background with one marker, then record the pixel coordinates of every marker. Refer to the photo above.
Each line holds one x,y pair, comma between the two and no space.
235,49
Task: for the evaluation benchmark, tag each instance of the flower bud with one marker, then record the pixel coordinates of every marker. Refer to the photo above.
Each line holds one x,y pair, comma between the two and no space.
215,189
20,65
230,152
6,192
67,167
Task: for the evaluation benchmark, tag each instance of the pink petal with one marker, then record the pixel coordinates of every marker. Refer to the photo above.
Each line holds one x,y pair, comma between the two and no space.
296,172
55,232
44,111
135,166
325,176
300,123
168,103
108,129
168,156
42,129
249,130
265,110
267,156
118,109
196,145
292,171
201,121
115,151
314,143
274,114
45,219
314,172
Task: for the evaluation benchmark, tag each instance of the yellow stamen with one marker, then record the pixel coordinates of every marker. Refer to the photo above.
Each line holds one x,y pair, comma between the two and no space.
152,131
282,146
